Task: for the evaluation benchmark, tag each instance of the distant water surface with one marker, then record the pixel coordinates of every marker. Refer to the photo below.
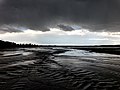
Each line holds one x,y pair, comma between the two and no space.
75,52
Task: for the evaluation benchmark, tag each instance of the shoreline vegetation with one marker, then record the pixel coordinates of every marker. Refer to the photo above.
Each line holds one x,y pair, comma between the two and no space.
7,44
110,49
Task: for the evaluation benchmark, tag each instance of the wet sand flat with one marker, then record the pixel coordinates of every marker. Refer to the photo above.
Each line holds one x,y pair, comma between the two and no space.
58,68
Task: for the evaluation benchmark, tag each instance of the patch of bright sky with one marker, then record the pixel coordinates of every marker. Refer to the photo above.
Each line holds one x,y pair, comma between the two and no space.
59,37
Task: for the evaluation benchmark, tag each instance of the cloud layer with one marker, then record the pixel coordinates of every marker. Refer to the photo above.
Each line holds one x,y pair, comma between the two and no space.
57,37
40,14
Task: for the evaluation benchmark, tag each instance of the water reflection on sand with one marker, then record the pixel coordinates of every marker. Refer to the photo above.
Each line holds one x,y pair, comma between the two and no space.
75,52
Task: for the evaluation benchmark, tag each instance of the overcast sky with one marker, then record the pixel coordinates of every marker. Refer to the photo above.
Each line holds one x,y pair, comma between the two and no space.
18,17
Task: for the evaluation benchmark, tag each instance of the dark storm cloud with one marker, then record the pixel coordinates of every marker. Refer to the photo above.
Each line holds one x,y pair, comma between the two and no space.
41,14
7,28
65,27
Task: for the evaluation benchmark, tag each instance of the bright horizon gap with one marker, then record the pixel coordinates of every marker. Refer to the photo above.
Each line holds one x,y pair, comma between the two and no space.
60,37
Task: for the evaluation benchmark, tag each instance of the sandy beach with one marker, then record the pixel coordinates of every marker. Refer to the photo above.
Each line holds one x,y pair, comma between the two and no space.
52,68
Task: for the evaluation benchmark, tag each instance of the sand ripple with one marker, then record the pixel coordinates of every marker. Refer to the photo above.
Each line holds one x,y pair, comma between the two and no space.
50,72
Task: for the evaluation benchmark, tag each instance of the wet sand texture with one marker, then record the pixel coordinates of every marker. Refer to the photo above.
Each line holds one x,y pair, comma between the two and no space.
53,69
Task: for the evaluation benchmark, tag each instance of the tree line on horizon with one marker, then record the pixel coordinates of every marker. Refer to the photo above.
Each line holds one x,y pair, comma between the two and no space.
7,44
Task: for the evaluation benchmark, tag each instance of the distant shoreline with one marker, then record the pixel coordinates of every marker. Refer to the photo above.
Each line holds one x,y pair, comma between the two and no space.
110,49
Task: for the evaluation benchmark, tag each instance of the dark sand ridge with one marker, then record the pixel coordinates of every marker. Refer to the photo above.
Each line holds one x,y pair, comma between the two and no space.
46,69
